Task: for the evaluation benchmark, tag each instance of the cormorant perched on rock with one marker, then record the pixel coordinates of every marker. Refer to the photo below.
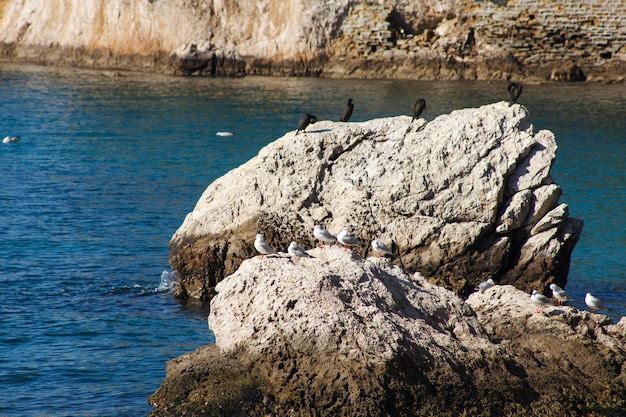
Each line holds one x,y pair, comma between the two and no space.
305,121
418,108
347,112
515,90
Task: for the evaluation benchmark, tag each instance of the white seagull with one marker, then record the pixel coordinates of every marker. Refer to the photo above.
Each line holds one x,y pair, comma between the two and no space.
11,139
560,294
594,303
297,251
540,300
380,249
485,285
262,246
346,239
323,235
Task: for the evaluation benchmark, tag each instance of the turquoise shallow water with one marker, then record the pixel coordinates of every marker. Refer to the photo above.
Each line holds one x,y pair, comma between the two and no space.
110,163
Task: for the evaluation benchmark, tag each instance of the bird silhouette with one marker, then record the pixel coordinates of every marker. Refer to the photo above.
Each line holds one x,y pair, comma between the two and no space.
306,120
515,90
418,108
347,112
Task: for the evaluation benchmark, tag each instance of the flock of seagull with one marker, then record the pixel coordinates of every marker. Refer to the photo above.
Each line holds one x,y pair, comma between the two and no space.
344,237
559,294
514,89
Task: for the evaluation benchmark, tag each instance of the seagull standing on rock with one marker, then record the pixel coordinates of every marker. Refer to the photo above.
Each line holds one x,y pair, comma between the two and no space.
485,285
262,246
346,239
380,249
594,303
297,251
540,300
323,235
560,294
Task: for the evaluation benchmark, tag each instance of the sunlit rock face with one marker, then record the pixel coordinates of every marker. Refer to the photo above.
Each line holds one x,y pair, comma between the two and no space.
465,197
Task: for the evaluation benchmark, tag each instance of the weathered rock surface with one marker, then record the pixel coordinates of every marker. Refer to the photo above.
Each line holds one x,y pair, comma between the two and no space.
465,197
339,335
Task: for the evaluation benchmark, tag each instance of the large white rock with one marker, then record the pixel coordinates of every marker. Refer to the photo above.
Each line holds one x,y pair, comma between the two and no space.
437,192
342,304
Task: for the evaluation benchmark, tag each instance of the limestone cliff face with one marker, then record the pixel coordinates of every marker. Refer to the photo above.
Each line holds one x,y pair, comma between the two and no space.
444,39
256,28
105,30
462,198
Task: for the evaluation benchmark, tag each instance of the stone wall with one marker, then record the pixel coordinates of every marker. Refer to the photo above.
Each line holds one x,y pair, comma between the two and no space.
536,31
369,32
538,35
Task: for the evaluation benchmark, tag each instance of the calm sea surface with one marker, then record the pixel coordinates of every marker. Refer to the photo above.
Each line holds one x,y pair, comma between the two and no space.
110,163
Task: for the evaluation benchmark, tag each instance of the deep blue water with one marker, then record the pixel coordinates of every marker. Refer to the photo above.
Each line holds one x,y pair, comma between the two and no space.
110,163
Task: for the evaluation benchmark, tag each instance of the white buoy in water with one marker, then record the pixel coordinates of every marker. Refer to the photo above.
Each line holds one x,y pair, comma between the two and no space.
224,133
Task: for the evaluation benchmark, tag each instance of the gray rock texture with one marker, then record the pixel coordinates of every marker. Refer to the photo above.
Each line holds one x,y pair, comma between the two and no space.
335,334
463,198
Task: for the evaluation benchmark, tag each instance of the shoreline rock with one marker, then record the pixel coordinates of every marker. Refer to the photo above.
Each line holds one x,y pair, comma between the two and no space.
462,198
339,335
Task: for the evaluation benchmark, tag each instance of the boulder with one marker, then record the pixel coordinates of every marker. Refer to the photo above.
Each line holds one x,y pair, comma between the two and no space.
335,334
457,198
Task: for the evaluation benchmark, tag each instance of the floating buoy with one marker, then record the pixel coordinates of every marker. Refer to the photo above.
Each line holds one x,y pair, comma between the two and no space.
224,133
10,139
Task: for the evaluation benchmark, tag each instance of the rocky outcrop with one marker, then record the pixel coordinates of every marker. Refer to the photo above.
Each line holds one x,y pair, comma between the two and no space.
463,198
338,335
423,39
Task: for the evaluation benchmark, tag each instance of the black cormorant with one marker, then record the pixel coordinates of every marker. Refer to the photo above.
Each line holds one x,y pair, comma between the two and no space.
305,121
418,108
347,112
515,90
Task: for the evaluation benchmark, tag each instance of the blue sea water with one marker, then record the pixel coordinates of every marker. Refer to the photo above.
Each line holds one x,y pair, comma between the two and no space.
109,163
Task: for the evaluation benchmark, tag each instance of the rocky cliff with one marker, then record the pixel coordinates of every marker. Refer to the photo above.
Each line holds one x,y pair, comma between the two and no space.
433,39
465,197
335,334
